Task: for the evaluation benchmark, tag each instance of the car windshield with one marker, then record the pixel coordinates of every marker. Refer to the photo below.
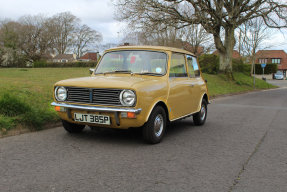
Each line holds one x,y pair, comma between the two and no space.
141,62
279,73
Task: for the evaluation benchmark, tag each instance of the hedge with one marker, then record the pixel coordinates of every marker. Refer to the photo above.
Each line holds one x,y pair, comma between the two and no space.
269,69
209,63
41,64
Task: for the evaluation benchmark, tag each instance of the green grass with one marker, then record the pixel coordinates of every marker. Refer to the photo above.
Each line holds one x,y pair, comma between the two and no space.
219,85
26,94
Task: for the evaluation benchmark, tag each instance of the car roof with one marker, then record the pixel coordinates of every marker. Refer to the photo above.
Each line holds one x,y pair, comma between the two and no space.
154,48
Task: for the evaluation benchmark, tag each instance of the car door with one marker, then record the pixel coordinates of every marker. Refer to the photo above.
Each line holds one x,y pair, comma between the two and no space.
195,82
179,92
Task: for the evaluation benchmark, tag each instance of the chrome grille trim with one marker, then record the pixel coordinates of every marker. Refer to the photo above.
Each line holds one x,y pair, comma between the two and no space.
98,96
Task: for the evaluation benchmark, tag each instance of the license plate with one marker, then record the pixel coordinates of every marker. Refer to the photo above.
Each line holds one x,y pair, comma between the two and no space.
92,118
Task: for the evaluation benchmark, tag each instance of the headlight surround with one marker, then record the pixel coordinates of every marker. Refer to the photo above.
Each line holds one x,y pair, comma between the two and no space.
127,98
61,93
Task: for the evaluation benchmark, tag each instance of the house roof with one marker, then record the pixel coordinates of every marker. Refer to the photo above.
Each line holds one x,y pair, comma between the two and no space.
187,46
271,54
64,56
235,54
90,56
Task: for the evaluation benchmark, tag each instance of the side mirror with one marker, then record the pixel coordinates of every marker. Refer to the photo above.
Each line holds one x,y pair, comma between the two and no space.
91,70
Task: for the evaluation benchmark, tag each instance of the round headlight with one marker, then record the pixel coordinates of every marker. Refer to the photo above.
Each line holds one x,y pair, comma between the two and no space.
61,93
127,98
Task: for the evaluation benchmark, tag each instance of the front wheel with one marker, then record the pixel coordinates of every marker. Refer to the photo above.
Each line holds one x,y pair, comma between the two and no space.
200,117
72,128
154,128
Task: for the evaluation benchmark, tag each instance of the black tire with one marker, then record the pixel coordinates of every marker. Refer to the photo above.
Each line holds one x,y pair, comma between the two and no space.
200,117
154,129
72,128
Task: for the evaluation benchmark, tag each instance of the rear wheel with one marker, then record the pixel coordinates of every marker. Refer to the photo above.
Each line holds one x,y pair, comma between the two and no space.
154,128
200,117
72,128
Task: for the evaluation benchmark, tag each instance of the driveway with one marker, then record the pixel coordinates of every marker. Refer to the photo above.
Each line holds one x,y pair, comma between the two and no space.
242,147
279,83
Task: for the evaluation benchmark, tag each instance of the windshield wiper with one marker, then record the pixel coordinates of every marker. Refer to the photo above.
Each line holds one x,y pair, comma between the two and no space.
119,71
149,73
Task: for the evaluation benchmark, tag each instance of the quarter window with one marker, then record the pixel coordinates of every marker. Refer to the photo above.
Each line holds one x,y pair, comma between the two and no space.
177,66
193,69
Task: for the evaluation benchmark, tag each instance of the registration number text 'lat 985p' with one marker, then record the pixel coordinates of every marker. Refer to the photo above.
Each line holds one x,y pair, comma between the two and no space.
92,118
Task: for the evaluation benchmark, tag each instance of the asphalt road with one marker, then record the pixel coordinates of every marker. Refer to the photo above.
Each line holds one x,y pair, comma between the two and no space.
242,147
279,83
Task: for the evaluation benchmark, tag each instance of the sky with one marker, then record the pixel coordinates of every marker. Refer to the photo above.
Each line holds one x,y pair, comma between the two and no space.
97,14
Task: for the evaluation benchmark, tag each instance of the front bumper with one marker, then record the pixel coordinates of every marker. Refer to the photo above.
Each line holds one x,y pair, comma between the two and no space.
115,111
94,108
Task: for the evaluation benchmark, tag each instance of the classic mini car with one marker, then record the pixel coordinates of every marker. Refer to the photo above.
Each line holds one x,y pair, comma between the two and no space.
135,86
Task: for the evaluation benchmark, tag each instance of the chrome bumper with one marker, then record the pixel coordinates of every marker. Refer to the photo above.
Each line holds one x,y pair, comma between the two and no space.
94,108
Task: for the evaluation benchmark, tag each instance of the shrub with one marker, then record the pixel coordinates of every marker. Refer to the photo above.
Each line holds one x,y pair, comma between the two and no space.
6,123
12,106
40,64
209,63
269,69
36,117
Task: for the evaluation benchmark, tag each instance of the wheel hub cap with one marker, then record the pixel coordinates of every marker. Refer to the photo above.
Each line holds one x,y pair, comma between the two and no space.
158,125
202,112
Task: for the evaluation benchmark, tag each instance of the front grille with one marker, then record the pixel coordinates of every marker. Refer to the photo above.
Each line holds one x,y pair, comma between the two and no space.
94,96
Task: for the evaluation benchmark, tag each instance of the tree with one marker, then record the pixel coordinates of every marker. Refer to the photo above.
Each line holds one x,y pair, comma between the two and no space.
253,33
9,34
197,37
84,37
194,35
215,16
35,38
63,26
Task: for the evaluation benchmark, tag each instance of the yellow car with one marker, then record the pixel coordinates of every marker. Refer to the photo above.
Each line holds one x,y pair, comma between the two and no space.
135,86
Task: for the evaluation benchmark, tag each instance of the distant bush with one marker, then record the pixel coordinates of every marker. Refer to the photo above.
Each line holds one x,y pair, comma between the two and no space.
239,66
269,69
209,63
41,64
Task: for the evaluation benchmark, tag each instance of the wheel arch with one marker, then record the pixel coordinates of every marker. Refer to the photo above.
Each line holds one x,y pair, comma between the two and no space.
204,96
163,105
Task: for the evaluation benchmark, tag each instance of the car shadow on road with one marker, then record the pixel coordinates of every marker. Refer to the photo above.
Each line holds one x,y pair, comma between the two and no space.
129,136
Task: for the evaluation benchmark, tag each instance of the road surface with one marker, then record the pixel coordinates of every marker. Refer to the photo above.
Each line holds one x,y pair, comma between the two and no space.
242,147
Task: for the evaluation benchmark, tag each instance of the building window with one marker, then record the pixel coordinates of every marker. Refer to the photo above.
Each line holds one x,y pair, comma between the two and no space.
276,61
263,61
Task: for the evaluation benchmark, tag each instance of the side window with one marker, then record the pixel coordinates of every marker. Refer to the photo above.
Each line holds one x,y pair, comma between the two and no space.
190,66
193,69
177,66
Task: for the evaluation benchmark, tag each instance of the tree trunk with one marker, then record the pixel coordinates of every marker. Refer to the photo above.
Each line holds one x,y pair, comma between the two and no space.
225,57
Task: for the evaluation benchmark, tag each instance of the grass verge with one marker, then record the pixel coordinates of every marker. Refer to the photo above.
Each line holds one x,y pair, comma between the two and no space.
219,85
26,94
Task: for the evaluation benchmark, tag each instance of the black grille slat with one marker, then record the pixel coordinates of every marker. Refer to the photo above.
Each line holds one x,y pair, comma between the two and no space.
94,96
